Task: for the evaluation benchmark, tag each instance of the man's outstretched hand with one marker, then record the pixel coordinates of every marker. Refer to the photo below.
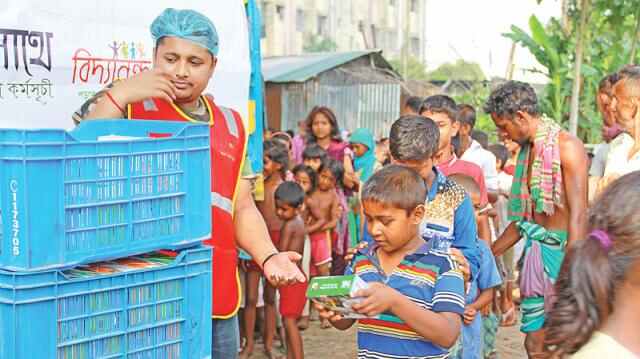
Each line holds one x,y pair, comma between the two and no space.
282,270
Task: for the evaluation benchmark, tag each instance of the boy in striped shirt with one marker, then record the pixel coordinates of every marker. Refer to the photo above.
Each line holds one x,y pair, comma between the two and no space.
415,297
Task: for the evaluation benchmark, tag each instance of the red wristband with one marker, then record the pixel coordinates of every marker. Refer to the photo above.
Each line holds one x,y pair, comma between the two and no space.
114,102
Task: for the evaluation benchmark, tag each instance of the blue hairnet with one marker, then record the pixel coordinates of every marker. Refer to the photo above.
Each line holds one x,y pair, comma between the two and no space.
186,24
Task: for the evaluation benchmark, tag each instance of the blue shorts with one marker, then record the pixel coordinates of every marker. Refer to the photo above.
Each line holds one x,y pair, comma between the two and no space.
226,338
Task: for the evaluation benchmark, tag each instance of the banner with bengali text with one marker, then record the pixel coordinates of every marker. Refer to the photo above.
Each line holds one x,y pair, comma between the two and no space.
54,55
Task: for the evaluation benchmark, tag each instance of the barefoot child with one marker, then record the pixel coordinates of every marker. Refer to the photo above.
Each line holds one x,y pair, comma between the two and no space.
307,178
289,201
276,162
415,298
596,311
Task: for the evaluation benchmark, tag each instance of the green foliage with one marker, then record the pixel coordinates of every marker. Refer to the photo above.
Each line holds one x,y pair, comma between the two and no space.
608,40
415,69
320,44
460,70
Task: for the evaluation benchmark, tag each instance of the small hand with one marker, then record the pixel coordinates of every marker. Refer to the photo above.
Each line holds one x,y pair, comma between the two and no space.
469,315
324,313
351,252
486,310
378,298
282,270
462,263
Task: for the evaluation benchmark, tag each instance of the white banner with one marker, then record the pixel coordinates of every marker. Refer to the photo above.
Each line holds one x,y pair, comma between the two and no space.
54,55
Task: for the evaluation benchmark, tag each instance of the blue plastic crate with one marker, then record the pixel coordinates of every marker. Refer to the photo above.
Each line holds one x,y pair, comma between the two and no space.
160,312
82,196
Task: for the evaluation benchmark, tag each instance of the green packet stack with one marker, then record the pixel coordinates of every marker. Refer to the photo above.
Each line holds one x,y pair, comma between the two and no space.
334,293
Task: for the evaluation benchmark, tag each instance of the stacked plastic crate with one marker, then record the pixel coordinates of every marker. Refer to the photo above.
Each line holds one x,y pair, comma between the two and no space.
105,191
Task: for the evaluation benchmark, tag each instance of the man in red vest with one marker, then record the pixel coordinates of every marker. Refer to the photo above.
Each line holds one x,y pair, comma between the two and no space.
185,57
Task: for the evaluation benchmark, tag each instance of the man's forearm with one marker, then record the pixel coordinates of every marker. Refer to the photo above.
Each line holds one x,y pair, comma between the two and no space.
577,225
510,237
252,234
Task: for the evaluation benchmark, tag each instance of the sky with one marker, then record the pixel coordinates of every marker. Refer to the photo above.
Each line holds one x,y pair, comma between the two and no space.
472,30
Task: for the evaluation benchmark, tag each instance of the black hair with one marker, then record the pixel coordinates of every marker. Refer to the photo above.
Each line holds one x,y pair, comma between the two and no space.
290,133
594,269
313,151
468,183
501,152
481,137
414,103
466,115
395,186
413,138
511,97
455,143
607,82
278,153
440,104
336,168
313,176
290,193
328,113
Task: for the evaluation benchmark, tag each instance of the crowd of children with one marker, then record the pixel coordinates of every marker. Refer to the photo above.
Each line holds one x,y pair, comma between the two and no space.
446,188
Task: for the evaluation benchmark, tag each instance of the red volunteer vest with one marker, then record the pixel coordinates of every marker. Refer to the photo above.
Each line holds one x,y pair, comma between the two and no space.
228,145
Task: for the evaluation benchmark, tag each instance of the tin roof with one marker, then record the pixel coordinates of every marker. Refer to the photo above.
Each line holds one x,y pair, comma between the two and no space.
304,67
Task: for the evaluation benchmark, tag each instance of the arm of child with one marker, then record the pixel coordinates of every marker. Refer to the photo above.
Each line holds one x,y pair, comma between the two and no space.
380,298
336,320
319,220
465,233
285,238
484,299
335,215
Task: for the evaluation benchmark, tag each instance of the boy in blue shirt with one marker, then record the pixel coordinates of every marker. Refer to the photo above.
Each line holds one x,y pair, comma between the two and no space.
413,143
482,288
415,299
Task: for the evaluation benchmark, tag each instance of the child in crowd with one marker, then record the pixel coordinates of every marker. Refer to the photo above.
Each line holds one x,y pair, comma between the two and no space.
276,162
479,298
313,156
415,298
596,311
289,202
307,178
508,259
324,211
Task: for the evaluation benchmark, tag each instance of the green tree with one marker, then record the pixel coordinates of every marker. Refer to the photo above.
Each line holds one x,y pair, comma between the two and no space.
415,69
319,44
459,70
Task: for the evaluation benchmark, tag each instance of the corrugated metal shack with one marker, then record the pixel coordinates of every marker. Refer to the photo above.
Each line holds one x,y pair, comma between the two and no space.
360,87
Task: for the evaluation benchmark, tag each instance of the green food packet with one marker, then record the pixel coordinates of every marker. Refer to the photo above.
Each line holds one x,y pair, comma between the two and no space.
335,293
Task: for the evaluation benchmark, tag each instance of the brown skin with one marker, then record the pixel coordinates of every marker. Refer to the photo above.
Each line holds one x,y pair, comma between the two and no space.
292,239
273,178
396,233
324,209
571,217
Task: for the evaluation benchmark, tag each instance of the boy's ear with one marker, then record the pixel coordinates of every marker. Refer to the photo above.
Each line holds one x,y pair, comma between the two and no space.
455,127
417,214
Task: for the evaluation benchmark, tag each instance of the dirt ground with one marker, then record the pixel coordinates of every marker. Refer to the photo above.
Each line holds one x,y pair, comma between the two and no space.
334,344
